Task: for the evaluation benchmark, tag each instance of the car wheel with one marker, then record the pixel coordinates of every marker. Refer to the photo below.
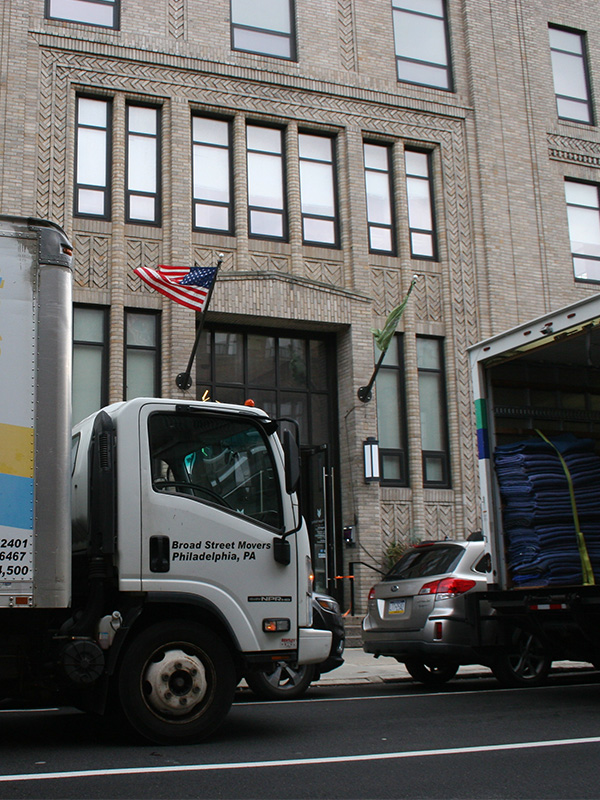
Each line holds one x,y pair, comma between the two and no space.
524,661
176,682
431,674
282,681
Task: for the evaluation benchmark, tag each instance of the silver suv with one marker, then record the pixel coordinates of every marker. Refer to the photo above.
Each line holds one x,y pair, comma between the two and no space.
419,613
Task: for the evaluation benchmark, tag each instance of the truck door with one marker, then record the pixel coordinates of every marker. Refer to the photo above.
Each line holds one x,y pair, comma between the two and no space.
212,504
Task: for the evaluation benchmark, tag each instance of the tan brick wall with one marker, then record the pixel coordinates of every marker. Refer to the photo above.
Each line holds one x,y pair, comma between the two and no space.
500,156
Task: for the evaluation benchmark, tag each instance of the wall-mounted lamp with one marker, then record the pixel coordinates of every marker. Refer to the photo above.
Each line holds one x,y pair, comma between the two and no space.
371,456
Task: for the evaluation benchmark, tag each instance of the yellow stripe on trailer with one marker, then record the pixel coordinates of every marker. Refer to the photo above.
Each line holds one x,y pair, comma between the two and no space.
16,450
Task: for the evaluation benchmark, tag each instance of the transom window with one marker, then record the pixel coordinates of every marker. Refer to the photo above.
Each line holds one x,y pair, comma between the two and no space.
104,13
421,40
287,376
265,27
583,212
571,78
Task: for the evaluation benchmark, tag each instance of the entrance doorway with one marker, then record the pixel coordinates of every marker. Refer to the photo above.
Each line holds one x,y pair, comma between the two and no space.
291,374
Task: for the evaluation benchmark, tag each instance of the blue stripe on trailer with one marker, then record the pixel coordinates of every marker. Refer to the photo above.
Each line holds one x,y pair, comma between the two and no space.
16,501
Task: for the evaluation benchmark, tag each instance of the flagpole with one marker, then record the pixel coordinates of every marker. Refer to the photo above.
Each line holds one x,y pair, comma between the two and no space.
364,393
184,379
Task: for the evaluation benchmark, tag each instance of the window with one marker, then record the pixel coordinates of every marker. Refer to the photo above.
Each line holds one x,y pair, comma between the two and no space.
583,212
432,402
212,175
420,209
286,375
92,167
212,458
142,354
379,197
104,13
264,27
143,164
317,189
266,208
421,40
391,416
571,78
90,360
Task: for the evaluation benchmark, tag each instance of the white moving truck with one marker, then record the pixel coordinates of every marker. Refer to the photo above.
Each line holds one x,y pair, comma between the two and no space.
153,555
537,396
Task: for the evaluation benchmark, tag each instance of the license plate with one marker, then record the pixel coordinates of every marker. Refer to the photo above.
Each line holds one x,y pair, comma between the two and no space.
396,606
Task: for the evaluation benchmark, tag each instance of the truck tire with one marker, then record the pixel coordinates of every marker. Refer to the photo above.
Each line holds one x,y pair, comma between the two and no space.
176,682
524,661
281,681
431,674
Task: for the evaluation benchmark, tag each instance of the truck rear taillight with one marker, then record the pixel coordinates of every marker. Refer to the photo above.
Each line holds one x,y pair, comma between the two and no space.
446,588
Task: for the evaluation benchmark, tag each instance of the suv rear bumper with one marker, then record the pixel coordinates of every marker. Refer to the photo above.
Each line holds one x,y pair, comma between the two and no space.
423,650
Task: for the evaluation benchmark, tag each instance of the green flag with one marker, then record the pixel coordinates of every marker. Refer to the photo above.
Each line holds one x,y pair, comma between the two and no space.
383,337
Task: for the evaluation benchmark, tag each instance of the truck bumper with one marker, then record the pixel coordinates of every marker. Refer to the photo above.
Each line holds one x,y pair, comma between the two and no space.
314,645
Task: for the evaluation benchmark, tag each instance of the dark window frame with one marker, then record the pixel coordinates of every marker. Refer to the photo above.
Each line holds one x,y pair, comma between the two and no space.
400,454
157,222
103,346
593,259
157,349
586,73
335,245
284,211
291,36
447,66
108,145
247,388
442,455
230,205
390,174
116,5
433,231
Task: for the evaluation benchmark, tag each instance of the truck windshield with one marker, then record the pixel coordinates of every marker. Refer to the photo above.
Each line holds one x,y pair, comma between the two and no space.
218,459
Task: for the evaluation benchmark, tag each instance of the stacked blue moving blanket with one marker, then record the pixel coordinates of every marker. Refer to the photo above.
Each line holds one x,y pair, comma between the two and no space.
539,528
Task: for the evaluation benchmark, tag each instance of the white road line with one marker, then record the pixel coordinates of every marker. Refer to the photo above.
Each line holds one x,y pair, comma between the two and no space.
297,762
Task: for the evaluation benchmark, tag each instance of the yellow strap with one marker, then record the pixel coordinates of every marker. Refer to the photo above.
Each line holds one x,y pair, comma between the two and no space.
586,564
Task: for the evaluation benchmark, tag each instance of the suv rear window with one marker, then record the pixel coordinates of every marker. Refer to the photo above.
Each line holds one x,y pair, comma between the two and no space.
421,562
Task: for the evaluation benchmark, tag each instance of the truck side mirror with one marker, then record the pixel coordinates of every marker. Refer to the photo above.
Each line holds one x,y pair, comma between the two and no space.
292,462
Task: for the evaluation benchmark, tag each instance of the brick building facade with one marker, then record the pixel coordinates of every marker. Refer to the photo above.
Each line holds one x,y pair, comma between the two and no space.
364,142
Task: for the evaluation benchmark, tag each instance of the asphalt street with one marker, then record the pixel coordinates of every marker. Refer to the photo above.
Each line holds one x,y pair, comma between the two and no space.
368,737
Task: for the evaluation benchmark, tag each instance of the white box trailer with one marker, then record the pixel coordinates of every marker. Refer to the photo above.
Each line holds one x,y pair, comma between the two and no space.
537,397
151,556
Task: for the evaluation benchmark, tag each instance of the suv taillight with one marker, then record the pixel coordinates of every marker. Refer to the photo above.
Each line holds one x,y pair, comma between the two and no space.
371,593
447,588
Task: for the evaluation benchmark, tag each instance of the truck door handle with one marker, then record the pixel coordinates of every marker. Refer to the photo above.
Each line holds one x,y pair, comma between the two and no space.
160,559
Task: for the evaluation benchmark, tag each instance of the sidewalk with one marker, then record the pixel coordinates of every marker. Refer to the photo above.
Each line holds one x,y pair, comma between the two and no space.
360,667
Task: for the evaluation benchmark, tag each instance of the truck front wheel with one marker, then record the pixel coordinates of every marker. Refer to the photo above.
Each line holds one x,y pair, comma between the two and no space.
176,682
523,662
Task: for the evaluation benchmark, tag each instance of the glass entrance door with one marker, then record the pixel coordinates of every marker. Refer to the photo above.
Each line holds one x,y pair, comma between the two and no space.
317,498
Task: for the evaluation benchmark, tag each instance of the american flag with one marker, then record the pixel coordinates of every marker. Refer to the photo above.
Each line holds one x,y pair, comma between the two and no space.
188,286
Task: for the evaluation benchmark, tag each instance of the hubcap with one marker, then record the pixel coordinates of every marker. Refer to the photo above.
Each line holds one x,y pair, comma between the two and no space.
175,683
